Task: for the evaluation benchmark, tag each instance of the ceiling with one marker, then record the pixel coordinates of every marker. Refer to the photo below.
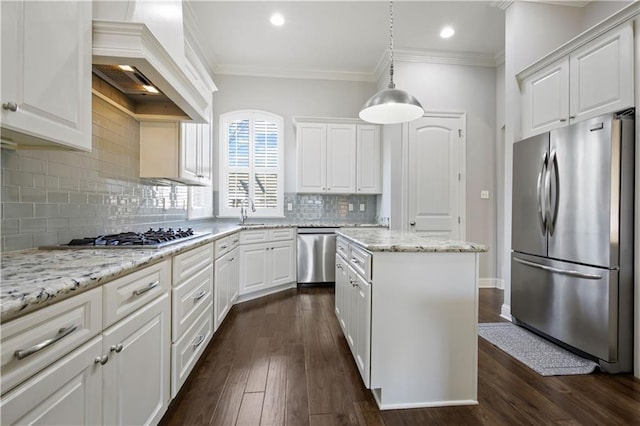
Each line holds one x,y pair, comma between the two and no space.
340,39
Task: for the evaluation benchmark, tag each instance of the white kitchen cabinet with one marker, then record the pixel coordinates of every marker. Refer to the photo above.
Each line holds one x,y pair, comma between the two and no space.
192,316
267,265
234,276
136,383
368,160
179,152
594,79
341,288
360,300
223,291
68,392
46,74
338,158
341,158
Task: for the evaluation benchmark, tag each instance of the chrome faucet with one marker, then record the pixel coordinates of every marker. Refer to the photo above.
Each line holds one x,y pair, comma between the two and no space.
244,210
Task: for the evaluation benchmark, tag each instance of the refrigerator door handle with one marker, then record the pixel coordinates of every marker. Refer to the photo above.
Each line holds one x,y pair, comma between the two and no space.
549,218
559,271
541,175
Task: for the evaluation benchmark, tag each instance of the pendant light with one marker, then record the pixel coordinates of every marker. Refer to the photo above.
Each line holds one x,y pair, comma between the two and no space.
391,106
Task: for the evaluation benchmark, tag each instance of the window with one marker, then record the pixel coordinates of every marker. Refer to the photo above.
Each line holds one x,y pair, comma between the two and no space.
251,163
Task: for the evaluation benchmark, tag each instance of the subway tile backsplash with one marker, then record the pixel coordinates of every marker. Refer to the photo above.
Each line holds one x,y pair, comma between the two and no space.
51,197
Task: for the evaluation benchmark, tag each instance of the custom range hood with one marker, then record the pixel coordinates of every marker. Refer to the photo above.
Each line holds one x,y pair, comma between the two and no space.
138,50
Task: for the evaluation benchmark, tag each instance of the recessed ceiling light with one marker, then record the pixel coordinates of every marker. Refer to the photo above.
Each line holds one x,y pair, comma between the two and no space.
447,32
277,19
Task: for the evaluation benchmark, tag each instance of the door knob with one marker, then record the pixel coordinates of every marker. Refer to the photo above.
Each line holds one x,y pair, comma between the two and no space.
412,223
11,106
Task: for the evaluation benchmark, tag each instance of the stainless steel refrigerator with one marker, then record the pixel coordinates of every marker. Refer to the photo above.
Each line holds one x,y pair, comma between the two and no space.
572,238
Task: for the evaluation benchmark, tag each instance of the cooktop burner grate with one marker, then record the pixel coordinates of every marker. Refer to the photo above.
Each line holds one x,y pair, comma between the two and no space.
150,239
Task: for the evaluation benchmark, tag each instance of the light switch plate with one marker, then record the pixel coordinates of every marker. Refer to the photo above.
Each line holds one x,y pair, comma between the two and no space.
289,207
484,194
350,207
362,206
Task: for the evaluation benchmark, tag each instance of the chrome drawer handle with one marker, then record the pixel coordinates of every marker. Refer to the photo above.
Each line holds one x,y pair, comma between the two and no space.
62,333
223,247
116,348
231,260
559,271
200,296
146,289
354,260
198,342
234,241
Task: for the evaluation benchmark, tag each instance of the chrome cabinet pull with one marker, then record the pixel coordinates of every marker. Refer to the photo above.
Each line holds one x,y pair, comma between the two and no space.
223,247
102,360
412,223
354,260
116,348
10,106
231,260
146,289
62,333
198,342
562,120
559,271
200,296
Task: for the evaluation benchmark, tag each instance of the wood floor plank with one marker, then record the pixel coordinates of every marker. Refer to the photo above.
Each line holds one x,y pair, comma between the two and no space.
275,396
250,409
311,377
226,412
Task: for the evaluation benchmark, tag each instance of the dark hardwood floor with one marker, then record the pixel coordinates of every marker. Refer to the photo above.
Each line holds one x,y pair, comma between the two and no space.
282,360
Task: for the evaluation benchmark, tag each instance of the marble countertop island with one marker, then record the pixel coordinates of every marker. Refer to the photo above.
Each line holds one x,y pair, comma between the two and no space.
385,240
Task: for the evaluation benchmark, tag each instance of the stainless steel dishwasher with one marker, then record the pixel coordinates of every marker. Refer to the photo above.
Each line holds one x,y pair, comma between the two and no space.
316,255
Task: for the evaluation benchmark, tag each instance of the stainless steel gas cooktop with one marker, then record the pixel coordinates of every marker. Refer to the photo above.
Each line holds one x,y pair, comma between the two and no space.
150,239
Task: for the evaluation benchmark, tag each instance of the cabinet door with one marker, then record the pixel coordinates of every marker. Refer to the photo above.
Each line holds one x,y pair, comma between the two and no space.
601,74
234,276
136,377
341,158
190,139
351,306
311,139
46,73
253,274
368,160
545,99
69,392
362,327
221,303
342,279
206,171
282,259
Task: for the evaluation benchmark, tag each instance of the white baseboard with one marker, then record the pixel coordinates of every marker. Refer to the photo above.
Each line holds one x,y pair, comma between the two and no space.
505,312
491,283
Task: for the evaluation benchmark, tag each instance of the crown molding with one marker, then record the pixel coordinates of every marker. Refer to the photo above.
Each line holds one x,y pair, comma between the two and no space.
251,71
192,35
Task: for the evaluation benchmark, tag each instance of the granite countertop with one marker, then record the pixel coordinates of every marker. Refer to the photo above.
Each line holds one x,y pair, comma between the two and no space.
32,279
385,240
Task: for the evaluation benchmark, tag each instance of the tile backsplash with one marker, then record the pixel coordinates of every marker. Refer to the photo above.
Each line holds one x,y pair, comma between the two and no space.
50,197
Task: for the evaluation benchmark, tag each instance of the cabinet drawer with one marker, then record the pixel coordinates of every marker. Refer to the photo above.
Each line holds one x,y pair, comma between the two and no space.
342,247
234,241
360,260
250,237
187,264
190,300
281,234
222,246
186,352
124,295
57,321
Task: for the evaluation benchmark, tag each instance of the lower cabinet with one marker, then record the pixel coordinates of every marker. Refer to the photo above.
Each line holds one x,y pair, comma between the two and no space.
226,284
353,309
136,375
267,264
67,392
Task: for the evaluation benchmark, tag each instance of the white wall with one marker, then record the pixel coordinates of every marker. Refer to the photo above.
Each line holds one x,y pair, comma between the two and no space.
288,98
500,177
454,88
596,11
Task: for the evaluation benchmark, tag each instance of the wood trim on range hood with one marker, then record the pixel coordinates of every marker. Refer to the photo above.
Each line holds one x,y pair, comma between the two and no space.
130,43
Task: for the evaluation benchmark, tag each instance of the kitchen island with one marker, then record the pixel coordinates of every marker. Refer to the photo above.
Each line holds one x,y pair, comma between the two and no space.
408,305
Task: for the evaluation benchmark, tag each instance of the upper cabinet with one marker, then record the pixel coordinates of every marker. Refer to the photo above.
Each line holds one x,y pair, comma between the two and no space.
180,152
338,158
46,74
593,79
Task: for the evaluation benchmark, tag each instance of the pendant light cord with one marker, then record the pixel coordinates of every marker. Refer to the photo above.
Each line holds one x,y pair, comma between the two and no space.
391,83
